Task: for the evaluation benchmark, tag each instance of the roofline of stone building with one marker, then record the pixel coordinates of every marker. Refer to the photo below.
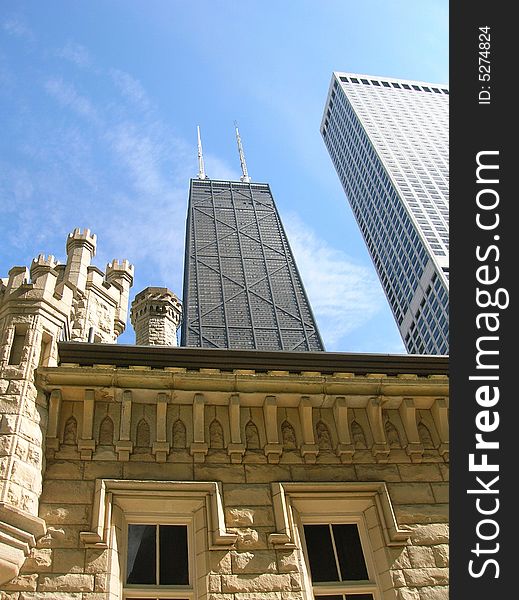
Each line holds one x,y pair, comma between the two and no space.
118,355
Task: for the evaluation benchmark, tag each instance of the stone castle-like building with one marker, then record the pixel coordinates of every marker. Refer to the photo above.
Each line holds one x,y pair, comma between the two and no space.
156,471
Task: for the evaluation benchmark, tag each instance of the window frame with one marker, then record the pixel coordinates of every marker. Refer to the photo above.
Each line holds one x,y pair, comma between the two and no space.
365,503
157,591
349,586
196,504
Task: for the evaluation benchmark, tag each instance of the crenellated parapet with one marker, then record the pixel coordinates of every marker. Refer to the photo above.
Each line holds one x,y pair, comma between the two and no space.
78,296
38,307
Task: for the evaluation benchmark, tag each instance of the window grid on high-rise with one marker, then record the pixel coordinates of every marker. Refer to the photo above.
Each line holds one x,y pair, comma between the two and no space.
242,289
388,141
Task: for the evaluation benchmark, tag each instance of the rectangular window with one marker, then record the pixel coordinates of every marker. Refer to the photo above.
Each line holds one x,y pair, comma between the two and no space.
15,356
157,555
336,561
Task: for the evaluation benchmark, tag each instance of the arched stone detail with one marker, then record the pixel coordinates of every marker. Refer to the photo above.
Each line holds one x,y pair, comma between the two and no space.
392,435
143,437
357,434
216,437
252,439
106,432
70,432
179,435
324,438
288,436
425,436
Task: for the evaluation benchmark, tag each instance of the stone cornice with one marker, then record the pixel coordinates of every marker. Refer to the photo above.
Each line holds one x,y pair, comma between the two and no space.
195,358
254,386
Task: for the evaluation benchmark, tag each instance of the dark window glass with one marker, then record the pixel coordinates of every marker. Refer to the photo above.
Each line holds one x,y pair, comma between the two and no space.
385,84
15,356
445,91
405,86
141,554
320,553
354,80
365,81
348,549
375,82
345,79
416,87
170,553
173,555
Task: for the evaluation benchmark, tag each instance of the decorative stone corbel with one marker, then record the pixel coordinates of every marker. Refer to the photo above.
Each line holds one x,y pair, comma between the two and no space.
273,449
345,449
380,448
309,449
440,413
52,441
199,447
161,447
124,446
408,415
236,449
86,444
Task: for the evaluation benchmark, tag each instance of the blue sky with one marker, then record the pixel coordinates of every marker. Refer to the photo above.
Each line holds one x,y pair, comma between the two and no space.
99,103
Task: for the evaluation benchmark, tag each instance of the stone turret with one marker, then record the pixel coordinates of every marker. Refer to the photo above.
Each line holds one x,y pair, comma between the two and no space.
120,274
155,316
37,308
81,249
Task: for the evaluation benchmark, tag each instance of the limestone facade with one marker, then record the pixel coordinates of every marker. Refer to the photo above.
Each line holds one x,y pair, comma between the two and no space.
245,450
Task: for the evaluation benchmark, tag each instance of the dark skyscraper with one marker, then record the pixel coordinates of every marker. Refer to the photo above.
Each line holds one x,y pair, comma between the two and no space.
242,289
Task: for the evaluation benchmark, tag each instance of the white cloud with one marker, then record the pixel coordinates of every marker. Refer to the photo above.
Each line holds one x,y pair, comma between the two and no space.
66,95
16,27
343,295
141,155
131,88
75,53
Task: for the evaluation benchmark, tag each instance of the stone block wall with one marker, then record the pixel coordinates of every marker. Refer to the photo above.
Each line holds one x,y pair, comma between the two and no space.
177,425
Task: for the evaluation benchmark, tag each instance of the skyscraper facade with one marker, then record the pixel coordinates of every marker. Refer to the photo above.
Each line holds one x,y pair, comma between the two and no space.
388,140
242,289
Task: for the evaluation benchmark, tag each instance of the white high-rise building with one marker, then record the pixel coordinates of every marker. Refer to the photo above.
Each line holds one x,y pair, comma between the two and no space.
389,142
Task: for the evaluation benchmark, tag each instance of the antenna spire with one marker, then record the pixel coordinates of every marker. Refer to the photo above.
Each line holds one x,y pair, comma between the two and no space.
201,169
245,177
